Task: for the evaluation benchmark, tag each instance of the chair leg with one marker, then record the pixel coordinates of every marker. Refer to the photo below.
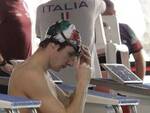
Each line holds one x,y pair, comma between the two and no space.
12,110
15,111
34,110
133,109
117,109
8,110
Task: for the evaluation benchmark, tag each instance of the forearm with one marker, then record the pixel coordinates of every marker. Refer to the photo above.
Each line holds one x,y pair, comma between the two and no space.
74,102
63,96
77,102
83,75
139,64
140,68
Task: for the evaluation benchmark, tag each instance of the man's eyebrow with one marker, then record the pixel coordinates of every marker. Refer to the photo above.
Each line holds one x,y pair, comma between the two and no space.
73,53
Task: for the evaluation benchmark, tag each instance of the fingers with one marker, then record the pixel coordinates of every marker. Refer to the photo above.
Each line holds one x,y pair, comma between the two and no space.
76,62
85,50
85,55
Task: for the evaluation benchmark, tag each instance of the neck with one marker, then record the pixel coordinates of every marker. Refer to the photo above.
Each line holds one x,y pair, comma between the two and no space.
40,59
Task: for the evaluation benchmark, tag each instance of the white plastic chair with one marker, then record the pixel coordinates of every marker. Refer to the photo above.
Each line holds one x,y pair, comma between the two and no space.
13,104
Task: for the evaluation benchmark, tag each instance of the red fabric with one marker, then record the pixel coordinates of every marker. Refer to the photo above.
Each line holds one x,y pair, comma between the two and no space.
15,30
125,109
102,89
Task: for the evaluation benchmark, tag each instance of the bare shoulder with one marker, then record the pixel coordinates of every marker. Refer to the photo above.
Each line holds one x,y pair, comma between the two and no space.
24,78
25,71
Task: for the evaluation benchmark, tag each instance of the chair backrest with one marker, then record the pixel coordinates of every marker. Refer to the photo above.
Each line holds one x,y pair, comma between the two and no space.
111,28
113,41
16,102
100,34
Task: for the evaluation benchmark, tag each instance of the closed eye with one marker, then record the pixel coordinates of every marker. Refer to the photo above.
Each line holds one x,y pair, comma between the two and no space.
72,54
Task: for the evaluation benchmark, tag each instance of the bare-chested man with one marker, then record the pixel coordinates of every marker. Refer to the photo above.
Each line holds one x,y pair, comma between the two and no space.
61,47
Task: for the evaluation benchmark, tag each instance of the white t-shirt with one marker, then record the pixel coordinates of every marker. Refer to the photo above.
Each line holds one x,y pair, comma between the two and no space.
82,13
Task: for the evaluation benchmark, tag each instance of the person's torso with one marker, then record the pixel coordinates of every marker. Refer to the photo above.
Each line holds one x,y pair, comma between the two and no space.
82,13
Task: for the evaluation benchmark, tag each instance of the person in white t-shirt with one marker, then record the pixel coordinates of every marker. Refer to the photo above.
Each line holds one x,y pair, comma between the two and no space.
82,13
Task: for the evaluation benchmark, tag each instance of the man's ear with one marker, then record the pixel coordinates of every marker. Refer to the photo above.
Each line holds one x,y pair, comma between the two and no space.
54,46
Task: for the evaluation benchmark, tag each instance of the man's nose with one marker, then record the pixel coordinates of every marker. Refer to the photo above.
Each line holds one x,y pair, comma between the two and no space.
71,61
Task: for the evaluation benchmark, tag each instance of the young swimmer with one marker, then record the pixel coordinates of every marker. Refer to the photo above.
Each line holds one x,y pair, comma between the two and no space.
61,48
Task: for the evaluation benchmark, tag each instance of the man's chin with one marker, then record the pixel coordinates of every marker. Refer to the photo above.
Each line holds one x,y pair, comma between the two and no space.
57,69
